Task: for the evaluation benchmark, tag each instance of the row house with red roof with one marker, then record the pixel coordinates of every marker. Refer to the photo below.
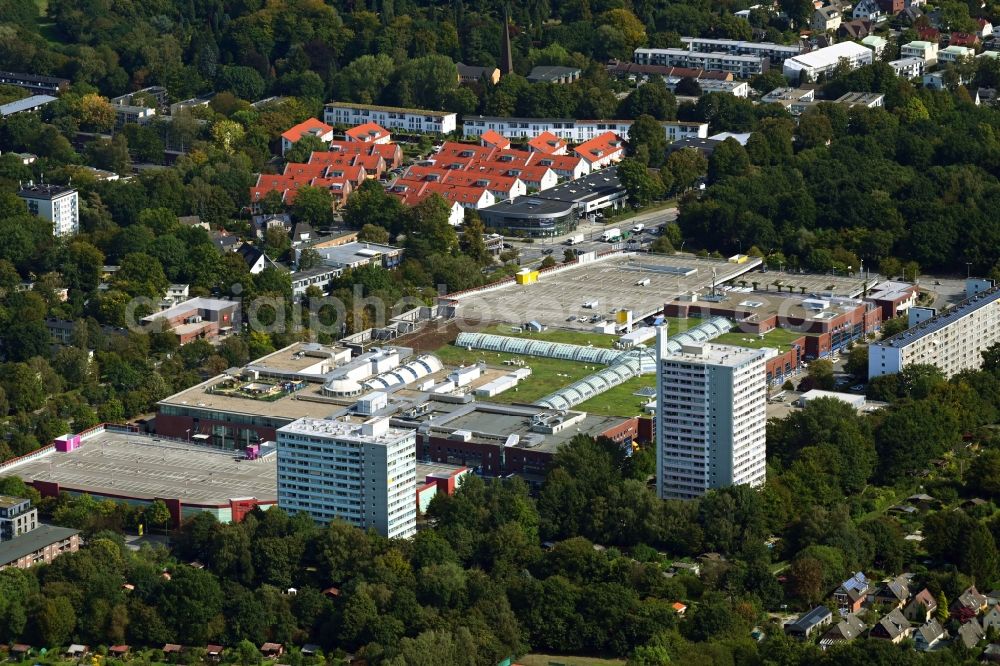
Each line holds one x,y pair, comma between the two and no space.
312,127
601,151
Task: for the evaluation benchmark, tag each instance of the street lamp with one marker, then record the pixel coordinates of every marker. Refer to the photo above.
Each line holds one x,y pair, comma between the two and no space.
187,434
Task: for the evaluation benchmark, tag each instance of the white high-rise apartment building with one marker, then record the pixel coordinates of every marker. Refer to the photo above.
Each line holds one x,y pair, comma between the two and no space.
361,473
55,203
710,418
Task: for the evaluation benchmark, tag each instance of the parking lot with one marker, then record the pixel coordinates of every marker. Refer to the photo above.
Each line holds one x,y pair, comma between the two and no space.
640,282
143,467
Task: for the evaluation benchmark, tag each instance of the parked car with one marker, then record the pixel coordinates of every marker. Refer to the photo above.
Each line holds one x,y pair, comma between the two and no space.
858,387
547,250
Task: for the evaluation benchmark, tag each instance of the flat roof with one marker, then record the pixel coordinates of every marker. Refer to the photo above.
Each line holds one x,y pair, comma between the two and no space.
353,251
146,467
43,190
715,55
740,43
829,55
25,104
720,355
610,282
199,303
29,542
493,423
939,321
763,304
390,109
8,501
346,428
37,78
562,198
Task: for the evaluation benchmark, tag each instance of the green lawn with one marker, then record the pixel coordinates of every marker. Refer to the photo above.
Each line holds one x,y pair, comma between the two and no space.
620,400
778,338
557,335
553,659
547,374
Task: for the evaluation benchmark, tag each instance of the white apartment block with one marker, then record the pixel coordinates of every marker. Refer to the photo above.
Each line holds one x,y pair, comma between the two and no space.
362,473
955,54
734,88
16,517
908,68
822,61
710,418
573,131
741,66
926,51
952,341
776,53
58,204
391,117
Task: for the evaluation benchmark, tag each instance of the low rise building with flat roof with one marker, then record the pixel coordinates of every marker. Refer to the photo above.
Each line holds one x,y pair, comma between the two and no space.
120,464
868,100
197,318
421,121
952,341
557,210
775,53
794,100
825,60
356,254
31,104
926,51
35,83
908,68
827,323
498,440
740,66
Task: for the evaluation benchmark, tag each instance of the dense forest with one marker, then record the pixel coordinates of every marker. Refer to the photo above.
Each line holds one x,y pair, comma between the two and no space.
578,567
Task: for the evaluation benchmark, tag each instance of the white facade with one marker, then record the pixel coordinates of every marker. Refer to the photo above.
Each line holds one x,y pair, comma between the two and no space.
954,54
825,60
390,117
908,68
710,418
952,341
361,473
776,53
741,66
926,51
876,44
55,203
734,88
573,131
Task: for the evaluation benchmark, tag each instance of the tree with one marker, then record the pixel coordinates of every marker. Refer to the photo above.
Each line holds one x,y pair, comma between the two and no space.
642,187
304,147
371,204
244,82
156,514
728,159
662,245
310,258
814,130
53,619
313,205
569,256
821,374
547,262
647,133
227,134
96,113
652,99
686,166
371,233
857,362
688,86
471,242
942,607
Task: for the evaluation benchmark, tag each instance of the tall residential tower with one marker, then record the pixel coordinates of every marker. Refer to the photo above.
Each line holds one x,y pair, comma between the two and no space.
710,418
363,473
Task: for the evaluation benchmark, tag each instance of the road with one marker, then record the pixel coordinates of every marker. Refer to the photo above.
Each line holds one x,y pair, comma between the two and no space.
534,252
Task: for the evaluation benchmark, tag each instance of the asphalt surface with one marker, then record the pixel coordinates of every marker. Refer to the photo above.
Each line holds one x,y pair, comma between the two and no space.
531,253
